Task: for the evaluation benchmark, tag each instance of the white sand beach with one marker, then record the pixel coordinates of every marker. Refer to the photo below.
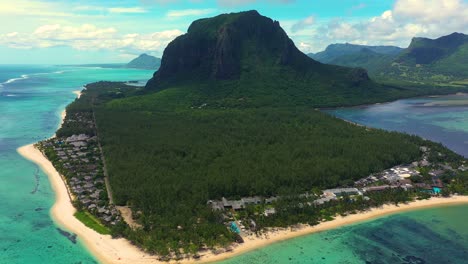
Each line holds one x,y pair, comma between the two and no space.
108,250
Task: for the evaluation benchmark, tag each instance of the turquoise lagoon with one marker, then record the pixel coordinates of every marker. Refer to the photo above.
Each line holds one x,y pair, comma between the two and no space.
436,235
31,100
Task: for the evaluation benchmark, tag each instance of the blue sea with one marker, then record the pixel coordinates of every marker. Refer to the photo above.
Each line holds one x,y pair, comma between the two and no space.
32,98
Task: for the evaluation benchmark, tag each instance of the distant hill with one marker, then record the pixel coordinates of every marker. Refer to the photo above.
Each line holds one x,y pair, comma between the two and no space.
145,61
439,60
335,52
443,60
248,59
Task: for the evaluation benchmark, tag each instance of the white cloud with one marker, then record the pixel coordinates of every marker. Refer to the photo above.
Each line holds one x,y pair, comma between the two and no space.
126,10
85,31
36,8
89,8
90,37
231,3
190,12
302,24
407,19
113,10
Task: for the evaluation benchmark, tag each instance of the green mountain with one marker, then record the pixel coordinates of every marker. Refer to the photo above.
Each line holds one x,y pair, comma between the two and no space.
247,59
336,52
438,60
145,61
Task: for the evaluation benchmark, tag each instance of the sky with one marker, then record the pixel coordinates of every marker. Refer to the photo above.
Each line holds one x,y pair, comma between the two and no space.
114,31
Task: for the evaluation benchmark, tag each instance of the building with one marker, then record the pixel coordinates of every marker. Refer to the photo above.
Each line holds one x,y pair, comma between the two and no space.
342,191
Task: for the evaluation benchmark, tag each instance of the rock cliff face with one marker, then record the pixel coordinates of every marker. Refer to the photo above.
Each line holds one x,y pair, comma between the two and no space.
219,48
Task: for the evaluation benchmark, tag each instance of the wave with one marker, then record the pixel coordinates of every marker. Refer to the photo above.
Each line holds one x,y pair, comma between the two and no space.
27,76
23,77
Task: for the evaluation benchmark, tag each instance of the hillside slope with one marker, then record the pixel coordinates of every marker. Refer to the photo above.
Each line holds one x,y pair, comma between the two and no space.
438,60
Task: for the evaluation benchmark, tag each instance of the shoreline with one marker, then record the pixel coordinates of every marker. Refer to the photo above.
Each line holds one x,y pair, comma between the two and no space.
394,100
104,248
108,250
253,243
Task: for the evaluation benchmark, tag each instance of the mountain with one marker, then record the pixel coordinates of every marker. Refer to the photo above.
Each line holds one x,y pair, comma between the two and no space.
441,59
335,52
248,57
145,61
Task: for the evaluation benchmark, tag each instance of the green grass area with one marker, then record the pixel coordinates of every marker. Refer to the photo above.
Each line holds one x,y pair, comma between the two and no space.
91,222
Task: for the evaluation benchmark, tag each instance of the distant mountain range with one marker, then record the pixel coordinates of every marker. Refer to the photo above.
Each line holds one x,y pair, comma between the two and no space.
428,60
145,61
336,51
439,60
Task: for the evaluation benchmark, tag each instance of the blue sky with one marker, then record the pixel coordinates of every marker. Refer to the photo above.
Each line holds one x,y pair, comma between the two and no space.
92,31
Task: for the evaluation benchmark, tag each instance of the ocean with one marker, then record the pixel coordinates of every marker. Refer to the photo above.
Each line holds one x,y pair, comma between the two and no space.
31,100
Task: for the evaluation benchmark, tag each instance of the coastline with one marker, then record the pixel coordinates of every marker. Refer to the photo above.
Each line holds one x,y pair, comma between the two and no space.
103,247
108,250
394,100
252,243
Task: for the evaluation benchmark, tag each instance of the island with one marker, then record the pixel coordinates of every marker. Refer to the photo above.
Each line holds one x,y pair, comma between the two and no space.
144,61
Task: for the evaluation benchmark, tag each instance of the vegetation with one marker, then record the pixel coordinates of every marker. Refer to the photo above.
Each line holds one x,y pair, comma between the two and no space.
90,221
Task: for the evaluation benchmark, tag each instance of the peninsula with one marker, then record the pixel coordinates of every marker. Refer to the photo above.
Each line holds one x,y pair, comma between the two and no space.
224,151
